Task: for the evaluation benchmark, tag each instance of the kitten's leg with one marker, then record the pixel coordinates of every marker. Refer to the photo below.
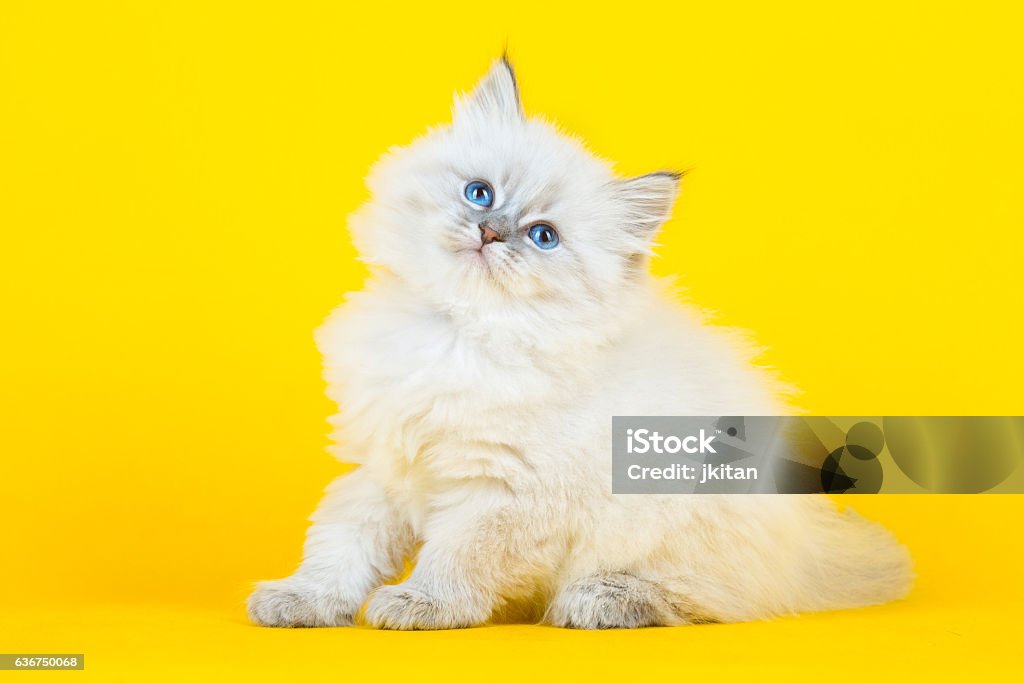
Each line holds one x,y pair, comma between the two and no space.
358,539
477,553
619,600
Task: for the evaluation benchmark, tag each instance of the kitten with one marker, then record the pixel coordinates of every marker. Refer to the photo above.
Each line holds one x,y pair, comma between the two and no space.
510,315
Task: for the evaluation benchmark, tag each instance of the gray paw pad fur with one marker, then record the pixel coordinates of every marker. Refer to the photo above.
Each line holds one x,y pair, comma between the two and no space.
278,603
614,600
406,609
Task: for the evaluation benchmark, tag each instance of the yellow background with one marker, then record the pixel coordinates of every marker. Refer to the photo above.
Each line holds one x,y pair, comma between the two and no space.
174,180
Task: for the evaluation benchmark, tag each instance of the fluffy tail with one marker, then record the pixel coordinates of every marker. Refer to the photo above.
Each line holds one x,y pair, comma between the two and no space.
856,562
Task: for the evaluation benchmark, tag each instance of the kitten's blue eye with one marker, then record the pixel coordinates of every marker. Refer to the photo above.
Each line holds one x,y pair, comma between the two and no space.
544,236
480,193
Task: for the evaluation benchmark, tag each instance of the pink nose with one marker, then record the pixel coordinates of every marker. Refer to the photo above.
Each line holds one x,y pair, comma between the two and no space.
488,235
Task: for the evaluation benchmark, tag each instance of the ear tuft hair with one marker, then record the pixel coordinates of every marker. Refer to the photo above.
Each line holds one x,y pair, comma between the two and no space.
648,201
496,95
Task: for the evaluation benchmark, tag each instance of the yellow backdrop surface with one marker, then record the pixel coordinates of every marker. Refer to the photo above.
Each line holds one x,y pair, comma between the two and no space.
174,181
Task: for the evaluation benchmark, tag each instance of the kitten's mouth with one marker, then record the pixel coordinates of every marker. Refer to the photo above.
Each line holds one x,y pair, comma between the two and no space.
493,253
482,256
488,260
480,251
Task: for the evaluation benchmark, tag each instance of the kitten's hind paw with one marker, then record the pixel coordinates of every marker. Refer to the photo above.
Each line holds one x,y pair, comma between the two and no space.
618,600
295,604
405,608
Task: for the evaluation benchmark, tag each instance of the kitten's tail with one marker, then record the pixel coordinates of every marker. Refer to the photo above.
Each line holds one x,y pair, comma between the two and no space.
857,562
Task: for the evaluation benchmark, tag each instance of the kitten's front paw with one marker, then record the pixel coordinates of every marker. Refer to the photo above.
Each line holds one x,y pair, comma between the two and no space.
406,608
291,603
618,600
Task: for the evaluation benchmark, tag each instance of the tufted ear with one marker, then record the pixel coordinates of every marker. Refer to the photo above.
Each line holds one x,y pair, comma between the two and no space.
496,96
647,201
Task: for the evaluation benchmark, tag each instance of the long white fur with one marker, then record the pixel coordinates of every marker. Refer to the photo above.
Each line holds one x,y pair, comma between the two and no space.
476,387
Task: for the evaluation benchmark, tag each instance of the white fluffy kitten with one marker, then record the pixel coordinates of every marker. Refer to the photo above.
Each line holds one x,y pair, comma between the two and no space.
477,376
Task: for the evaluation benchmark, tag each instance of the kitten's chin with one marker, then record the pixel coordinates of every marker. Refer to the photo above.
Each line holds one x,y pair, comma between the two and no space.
488,264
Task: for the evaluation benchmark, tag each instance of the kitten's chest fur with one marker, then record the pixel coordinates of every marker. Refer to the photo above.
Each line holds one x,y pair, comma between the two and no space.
422,395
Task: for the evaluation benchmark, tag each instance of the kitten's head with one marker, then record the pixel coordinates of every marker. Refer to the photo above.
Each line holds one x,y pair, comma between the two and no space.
499,208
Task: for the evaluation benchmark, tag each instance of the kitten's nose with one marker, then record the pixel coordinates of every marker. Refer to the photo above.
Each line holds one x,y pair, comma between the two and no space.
488,234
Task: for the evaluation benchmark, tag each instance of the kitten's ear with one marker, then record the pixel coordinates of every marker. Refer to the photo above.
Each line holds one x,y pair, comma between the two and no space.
648,201
497,95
